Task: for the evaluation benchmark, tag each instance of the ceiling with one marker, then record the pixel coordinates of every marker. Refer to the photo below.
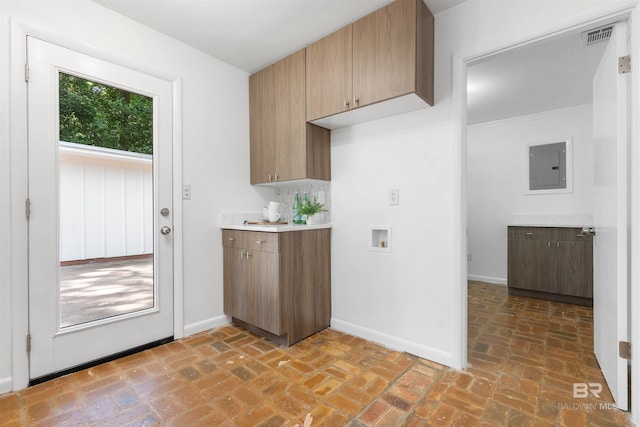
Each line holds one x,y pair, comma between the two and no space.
543,76
251,34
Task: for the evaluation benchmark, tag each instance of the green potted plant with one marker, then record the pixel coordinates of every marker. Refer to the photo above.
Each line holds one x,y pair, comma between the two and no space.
309,209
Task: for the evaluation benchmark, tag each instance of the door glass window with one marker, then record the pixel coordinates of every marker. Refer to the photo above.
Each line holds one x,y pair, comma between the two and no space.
106,201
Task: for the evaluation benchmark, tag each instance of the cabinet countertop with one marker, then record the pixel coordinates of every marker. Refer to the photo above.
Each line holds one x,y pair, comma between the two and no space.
281,228
563,221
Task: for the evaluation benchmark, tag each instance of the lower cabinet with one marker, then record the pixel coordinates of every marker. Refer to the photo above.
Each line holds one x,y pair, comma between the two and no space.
551,263
279,283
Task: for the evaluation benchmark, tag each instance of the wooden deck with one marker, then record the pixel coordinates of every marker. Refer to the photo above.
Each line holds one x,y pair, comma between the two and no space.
98,290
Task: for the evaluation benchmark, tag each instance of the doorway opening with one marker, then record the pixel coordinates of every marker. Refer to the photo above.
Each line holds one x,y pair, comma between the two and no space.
537,102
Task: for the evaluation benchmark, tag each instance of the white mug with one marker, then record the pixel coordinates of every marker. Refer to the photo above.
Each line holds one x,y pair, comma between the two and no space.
274,206
274,215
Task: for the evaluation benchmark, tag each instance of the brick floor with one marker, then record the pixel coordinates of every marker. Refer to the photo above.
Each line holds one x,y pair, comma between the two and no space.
524,354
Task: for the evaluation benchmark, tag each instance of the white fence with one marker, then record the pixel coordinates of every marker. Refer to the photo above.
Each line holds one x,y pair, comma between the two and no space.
106,202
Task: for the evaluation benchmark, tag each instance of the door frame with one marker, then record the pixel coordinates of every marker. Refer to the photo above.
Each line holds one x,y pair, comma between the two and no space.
460,64
19,185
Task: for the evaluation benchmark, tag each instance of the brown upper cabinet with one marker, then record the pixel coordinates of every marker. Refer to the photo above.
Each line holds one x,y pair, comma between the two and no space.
283,146
384,55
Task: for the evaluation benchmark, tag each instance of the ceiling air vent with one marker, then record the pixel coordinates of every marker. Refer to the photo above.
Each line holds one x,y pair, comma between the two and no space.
597,35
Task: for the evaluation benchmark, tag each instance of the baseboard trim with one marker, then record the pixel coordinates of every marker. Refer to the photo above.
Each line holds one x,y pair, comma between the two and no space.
567,299
486,279
393,342
6,385
205,325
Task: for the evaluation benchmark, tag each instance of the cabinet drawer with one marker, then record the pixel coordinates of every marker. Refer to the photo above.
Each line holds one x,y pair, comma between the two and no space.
572,235
534,233
251,240
230,238
552,234
257,241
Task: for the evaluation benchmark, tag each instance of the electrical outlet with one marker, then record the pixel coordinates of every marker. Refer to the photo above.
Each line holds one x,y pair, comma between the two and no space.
469,256
394,197
186,191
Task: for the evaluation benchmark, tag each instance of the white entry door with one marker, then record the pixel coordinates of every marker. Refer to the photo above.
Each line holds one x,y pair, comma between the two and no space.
100,269
610,293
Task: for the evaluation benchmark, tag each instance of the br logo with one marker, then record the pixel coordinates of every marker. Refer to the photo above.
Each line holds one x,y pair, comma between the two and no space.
582,390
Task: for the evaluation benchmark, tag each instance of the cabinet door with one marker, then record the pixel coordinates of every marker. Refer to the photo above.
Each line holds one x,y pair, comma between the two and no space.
521,261
262,125
575,275
231,258
550,263
384,53
258,299
329,74
290,123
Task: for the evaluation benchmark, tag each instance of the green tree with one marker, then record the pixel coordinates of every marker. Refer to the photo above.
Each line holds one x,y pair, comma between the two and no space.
96,114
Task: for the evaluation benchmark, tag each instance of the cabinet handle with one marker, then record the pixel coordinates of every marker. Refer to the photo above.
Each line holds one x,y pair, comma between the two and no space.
231,239
241,254
346,103
548,244
529,234
275,177
259,242
249,254
356,101
270,177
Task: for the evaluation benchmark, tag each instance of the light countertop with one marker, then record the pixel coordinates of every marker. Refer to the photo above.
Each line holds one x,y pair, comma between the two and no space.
279,228
551,221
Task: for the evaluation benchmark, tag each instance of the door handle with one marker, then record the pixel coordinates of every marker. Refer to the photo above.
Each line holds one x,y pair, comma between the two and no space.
588,231
165,230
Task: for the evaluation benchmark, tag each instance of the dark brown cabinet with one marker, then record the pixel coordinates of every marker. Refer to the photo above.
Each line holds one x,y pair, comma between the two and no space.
386,54
283,146
552,263
279,283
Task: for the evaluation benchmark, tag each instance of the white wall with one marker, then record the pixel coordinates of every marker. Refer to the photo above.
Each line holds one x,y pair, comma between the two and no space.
413,298
215,150
395,298
496,180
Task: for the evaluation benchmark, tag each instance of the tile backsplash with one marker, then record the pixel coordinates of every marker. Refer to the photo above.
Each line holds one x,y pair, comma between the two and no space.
285,195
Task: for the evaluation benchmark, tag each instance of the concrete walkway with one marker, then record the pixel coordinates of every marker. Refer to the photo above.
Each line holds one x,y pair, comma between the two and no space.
103,289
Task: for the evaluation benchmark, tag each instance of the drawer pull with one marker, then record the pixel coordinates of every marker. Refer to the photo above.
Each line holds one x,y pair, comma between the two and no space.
259,242
231,239
529,234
